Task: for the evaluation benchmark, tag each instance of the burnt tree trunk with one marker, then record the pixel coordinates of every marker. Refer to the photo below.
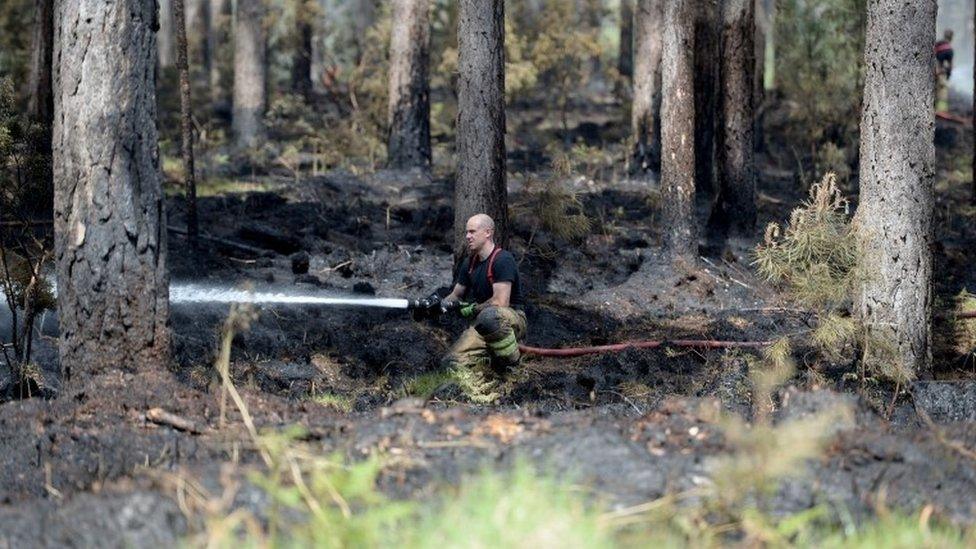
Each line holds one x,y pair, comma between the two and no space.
250,74
973,198
894,218
165,37
480,186
110,222
409,98
645,119
678,129
625,58
301,67
706,53
40,100
735,207
186,124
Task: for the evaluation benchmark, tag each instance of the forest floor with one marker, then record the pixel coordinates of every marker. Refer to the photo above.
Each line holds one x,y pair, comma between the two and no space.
91,468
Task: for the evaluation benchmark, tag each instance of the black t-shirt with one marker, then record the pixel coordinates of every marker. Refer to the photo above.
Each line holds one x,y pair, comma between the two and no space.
475,281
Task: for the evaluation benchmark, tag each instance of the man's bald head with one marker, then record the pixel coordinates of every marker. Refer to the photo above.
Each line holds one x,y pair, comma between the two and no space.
479,234
482,221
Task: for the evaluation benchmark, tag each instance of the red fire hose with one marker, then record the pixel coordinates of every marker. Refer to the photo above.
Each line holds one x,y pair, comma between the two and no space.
647,344
652,344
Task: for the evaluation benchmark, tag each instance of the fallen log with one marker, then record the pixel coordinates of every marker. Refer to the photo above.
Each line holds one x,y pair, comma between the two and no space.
240,246
162,417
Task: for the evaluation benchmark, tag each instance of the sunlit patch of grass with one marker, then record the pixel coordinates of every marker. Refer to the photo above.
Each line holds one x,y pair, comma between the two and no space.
425,385
221,186
339,403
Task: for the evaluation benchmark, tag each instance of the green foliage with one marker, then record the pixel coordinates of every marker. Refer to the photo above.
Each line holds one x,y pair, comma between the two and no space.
900,531
16,19
819,58
519,508
425,385
815,257
339,403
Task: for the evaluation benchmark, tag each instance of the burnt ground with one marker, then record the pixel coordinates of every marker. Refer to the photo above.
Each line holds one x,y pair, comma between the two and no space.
88,468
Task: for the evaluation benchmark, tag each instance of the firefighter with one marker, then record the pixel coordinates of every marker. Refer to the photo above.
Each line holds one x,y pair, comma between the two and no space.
943,70
489,293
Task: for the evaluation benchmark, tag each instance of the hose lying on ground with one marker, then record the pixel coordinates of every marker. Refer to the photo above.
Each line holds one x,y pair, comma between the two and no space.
647,344
652,344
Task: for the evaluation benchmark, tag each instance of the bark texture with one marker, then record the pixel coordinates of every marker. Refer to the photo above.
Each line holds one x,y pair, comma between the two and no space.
894,218
250,73
625,58
706,53
110,224
166,36
301,67
645,119
678,129
40,100
480,186
409,97
735,208
186,124
219,13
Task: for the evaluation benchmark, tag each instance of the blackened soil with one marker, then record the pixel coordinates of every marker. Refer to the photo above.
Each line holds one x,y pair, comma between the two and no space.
632,425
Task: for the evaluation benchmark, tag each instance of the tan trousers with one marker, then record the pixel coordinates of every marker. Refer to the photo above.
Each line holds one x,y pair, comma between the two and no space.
472,350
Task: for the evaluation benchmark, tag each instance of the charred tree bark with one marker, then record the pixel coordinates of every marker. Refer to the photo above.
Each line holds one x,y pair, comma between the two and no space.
409,98
480,186
301,67
40,101
678,129
707,42
186,125
735,207
165,37
250,74
894,218
645,122
110,241
625,58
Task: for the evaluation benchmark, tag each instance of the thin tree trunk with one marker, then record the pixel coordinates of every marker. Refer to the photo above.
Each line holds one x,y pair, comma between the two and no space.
735,208
409,97
707,42
894,218
250,74
219,15
110,241
645,109
301,68
625,58
973,199
678,129
480,186
40,101
165,35
186,124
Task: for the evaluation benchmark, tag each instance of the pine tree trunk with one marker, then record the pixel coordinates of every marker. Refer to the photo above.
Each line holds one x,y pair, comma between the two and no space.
197,20
894,218
480,186
110,222
166,36
186,124
707,45
250,74
625,59
219,15
735,208
40,100
678,129
645,110
301,68
409,98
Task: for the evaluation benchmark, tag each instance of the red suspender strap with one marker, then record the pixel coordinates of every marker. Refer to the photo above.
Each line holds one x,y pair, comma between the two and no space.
491,265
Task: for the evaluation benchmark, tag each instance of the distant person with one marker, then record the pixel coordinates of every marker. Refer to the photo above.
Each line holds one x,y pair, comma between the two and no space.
488,286
943,71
